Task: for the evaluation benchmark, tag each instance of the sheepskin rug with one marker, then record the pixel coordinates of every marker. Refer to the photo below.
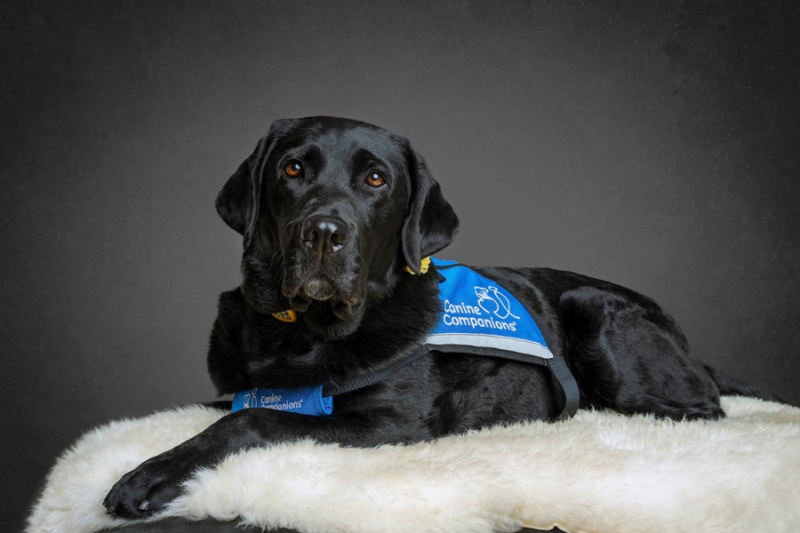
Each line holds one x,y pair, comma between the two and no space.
598,472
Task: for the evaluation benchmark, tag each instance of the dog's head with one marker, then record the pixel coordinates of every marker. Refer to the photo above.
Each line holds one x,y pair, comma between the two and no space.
332,211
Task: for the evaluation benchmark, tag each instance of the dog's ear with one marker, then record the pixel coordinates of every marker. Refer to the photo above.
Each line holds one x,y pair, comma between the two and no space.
239,200
234,203
431,224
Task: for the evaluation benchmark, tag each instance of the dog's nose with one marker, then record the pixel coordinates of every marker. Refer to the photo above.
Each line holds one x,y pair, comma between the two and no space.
325,235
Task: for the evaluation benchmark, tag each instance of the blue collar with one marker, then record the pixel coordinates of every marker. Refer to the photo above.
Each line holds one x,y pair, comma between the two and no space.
305,401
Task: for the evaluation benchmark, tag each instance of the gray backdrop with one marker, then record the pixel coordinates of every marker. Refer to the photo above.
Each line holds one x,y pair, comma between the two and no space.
650,144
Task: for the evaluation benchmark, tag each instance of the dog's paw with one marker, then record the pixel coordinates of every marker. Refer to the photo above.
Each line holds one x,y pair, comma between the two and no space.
146,490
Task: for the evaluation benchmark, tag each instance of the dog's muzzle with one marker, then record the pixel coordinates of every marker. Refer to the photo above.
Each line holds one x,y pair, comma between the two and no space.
324,236
322,264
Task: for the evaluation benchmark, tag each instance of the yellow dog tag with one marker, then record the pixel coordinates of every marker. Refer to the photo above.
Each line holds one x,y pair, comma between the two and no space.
286,316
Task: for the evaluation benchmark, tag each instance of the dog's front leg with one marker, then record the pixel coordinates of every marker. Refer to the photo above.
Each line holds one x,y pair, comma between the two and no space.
147,489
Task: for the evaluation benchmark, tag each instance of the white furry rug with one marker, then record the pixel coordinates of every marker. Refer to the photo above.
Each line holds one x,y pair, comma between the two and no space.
599,472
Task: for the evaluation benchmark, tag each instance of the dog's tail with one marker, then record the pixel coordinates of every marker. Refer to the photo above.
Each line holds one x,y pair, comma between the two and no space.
733,387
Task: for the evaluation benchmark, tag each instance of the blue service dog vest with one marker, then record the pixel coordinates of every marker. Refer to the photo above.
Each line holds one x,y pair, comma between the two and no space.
478,317
481,317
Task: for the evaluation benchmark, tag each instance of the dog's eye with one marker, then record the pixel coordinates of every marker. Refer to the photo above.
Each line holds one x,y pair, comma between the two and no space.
375,179
293,169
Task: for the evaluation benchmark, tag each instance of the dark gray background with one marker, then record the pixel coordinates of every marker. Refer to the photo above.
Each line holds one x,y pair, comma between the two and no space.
650,144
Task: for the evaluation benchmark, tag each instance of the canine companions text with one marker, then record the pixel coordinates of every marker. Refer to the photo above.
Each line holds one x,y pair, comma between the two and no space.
338,218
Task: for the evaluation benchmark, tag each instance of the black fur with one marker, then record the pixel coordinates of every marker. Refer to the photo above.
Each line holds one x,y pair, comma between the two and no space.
360,311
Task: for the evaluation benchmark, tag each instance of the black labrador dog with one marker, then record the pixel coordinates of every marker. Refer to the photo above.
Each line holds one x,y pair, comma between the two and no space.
337,216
